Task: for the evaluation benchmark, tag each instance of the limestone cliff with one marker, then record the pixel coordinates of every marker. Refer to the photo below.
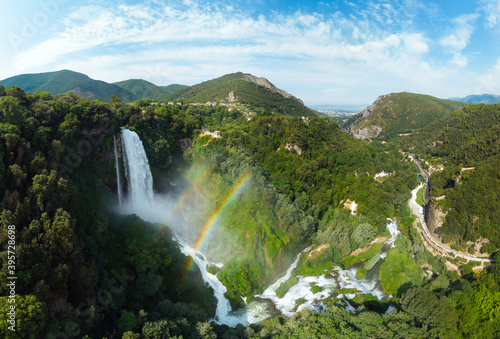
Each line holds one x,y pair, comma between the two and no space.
434,216
267,84
369,132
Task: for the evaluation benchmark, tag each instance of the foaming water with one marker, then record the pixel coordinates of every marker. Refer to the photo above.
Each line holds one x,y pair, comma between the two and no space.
253,312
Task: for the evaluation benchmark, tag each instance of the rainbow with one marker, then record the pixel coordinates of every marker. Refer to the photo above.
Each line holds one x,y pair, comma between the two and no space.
187,194
235,190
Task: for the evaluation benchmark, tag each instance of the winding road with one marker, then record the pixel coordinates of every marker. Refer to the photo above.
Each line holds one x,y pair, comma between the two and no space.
432,244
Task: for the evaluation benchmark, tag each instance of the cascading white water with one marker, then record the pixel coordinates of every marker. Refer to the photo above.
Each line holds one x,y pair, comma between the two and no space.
223,311
137,171
392,227
301,290
118,183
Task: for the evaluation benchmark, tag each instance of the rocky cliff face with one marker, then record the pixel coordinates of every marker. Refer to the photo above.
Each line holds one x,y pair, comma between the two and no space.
368,132
434,216
84,93
370,109
267,84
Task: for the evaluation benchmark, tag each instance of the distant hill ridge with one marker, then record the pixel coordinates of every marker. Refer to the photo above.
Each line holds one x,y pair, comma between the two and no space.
398,113
480,99
65,81
143,89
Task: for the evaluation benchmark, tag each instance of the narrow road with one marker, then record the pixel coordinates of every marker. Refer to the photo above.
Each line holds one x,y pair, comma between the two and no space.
430,243
426,176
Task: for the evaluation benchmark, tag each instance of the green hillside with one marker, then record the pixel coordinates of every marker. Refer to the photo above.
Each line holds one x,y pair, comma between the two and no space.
245,92
143,89
399,113
68,81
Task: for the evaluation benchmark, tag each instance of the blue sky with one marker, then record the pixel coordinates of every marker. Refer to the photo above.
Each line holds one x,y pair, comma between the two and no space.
324,52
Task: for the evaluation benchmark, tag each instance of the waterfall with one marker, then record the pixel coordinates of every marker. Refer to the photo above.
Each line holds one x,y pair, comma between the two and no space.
118,183
141,201
137,171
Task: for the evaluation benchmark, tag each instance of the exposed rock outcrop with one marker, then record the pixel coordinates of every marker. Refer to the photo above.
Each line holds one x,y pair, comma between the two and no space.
81,92
267,84
369,132
351,126
231,97
370,109
434,216
295,147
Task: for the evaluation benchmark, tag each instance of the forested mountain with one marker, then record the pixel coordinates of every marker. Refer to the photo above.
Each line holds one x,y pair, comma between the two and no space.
467,138
66,81
245,89
479,99
83,269
397,113
143,89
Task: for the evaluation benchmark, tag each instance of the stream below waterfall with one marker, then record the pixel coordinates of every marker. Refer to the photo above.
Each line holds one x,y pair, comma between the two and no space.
268,304
142,201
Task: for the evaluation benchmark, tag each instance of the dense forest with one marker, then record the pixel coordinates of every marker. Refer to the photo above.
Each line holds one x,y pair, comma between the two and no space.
85,271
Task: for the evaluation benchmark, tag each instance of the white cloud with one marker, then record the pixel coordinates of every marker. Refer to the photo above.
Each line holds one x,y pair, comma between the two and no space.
459,38
456,41
491,9
459,60
488,82
415,43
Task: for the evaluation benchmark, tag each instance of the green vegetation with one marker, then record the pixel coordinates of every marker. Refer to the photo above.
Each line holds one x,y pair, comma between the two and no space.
398,272
420,196
174,87
298,302
315,288
320,264
361,273
362,257
100,273
284,287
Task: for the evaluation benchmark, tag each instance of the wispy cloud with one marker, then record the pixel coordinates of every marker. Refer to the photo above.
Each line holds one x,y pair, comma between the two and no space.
459,38
491,9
